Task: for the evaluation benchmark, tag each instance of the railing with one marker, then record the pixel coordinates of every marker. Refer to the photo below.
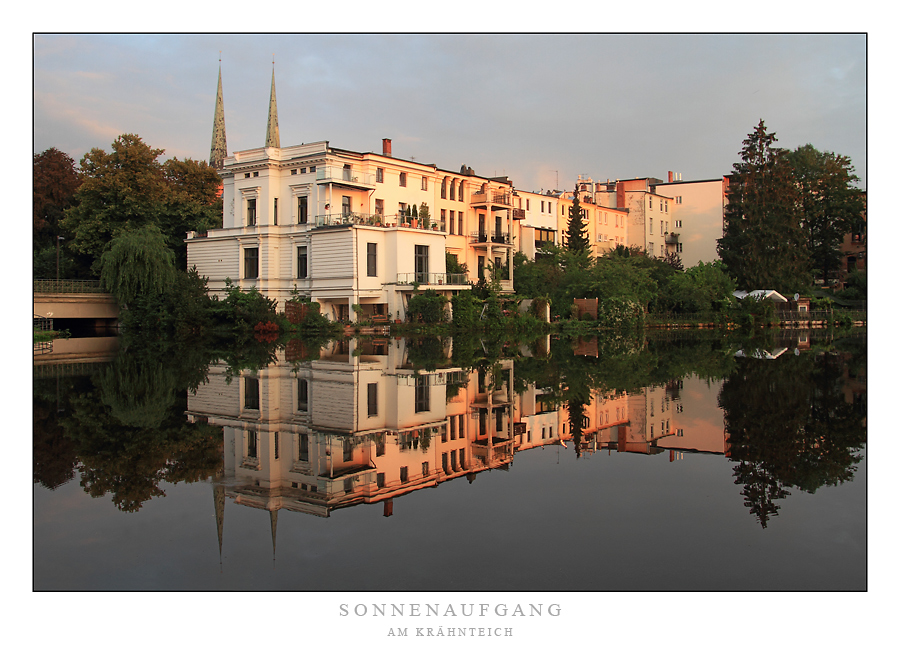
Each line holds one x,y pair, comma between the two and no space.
376,220
67,286
493,196
493,237
432,279
42,324
672,237
339,174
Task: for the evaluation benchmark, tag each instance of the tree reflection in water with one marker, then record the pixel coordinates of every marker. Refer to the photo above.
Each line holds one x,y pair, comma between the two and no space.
791,423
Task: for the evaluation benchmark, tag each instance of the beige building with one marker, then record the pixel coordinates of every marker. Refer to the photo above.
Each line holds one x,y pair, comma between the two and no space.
698,218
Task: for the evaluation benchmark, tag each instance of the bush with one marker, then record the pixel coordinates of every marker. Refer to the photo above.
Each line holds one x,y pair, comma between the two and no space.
427,307
466,310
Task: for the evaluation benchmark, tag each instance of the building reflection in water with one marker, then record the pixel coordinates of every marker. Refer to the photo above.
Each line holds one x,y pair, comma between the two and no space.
360,425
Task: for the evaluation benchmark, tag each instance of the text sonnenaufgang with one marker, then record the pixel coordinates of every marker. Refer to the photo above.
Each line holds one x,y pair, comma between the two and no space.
449,610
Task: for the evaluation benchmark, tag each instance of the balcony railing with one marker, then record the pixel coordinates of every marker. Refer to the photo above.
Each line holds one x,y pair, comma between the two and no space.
341,175
492,196
382,220
672,237
492,237
432,279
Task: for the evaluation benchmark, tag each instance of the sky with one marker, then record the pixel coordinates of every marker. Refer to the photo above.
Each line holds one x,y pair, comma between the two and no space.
539,108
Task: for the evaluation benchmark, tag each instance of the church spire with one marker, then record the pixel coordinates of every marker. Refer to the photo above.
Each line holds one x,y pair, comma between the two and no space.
272,137
218,149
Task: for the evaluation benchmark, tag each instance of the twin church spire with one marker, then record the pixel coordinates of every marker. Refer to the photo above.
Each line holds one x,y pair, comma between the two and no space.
218,150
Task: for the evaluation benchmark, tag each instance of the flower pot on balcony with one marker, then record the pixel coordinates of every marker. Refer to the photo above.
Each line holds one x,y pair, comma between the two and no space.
414,223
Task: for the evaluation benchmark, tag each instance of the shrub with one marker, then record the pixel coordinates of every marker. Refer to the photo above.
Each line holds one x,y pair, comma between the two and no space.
427,307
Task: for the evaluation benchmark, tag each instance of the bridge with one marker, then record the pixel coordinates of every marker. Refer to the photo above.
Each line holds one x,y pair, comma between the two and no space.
78,304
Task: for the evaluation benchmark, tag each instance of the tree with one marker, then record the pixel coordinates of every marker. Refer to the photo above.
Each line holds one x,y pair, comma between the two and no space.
55,181
129,188
576,235
137,263
193,202
830,203
763,245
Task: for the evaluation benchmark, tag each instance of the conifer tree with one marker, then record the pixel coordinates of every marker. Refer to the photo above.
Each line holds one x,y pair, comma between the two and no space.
763,246
576,234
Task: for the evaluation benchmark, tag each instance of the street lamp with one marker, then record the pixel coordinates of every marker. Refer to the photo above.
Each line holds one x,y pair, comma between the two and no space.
58,239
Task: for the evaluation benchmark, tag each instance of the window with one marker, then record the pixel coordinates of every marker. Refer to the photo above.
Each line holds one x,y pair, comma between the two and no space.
302,209
251,263
379,207
379,480
251,393
293,172
452,428
542,207
461,427
404,474
379,175
247,175
424,183
348,485
302,395
651,226
372,399
275,213
303,448
444,188
460,217
345,205
379,445
422,264
347,450
453,463
678,224
423,394
372,259
453,190
403,179
251,211
462,185
651,202
302,263
667,206
255,174
678,200
253,444
527,204
425,468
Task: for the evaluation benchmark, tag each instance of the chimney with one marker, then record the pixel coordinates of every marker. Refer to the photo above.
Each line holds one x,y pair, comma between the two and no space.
386,147
671,176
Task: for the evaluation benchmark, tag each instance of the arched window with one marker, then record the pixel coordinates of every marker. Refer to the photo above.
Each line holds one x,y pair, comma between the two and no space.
453,190
444,188
462,184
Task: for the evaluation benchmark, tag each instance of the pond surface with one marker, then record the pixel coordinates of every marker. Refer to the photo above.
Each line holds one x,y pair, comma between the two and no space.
662,462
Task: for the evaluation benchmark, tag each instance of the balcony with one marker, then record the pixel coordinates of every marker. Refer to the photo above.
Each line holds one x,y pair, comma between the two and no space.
376,220
671,238
518,214
432,279
346,177
492,197
490,237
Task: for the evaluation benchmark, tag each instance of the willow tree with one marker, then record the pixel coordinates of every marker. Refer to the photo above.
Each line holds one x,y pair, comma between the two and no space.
137,263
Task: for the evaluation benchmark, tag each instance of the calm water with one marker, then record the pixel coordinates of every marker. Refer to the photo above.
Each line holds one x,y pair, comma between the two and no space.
666,462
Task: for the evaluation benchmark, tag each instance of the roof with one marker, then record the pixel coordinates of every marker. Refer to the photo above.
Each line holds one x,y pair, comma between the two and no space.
761,294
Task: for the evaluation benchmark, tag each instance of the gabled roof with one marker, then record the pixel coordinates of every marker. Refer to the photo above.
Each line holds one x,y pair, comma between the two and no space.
761,294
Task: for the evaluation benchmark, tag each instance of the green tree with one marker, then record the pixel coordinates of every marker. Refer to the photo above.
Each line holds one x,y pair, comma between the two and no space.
704,288
129,188
192,202
54,183
137,263
763,245
830,203
576,233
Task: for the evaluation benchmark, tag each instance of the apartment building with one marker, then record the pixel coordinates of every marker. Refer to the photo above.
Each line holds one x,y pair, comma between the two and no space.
698,219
